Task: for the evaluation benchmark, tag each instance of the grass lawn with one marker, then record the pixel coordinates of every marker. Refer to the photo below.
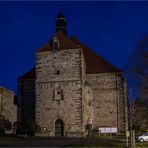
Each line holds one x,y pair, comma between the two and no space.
9,137
144,145
106,145
111,141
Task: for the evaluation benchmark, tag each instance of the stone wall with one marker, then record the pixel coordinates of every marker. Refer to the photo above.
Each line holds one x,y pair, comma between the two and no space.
59,91
88,107
64,91
122,103
7,107
108,100
63,65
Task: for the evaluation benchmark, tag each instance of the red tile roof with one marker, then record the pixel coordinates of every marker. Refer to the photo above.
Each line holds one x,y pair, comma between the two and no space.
65,43
29,75
94,62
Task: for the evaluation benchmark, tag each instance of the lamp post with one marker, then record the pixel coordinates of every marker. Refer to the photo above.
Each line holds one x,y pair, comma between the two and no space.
132,132
90,127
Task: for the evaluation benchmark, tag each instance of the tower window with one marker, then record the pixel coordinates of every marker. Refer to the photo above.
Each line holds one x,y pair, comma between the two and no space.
58,95
57,72
89,103
58,92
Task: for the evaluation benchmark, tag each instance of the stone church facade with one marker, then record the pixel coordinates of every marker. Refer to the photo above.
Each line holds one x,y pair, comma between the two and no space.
71,89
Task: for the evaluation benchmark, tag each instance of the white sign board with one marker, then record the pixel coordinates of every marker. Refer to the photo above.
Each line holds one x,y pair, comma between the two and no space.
107,129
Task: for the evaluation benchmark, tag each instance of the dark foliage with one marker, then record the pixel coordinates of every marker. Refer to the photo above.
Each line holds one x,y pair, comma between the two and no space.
4,124
27,128
139,114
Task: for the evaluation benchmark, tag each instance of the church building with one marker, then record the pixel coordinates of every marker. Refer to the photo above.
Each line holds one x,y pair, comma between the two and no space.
71,89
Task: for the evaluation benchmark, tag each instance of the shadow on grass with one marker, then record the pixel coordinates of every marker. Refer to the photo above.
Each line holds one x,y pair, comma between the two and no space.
11,137
106,145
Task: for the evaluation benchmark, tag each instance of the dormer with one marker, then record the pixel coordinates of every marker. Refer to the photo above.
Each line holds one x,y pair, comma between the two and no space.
56,44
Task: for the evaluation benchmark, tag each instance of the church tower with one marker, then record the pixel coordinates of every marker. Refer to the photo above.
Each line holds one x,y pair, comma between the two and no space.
59,85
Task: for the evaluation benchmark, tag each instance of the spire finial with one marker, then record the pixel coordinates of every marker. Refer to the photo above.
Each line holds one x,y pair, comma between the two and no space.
60,10
61,23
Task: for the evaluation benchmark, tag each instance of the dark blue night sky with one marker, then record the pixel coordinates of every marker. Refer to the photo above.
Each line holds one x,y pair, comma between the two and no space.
112,29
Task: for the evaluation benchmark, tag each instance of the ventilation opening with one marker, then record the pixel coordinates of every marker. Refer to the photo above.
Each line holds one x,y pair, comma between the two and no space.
57,72
59,92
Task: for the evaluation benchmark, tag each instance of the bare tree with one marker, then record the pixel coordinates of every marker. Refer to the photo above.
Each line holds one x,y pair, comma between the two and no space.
137,75
137,69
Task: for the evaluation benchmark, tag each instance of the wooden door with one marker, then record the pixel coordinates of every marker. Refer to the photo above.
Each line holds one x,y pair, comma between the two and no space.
59,128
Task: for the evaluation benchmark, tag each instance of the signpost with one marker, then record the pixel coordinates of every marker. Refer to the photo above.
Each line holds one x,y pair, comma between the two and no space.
107,130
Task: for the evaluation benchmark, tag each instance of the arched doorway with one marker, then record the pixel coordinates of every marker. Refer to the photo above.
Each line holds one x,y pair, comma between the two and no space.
59,128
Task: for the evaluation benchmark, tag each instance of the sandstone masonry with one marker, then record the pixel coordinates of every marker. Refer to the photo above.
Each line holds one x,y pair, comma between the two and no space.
8,110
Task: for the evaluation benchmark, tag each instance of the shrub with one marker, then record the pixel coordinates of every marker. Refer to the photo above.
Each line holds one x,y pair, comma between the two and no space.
28,128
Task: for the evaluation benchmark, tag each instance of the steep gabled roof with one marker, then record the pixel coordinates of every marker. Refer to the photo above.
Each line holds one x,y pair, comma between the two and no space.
94,62
29,75
65,43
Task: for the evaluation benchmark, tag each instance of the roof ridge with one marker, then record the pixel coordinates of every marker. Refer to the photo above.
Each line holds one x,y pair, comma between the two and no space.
65,42
29,74
97,56
94,62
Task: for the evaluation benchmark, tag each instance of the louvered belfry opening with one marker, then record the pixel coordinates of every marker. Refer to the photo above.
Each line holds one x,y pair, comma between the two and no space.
61,23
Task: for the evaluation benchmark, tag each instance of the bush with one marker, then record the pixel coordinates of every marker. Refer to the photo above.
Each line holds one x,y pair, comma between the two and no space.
4,124
2,131
23,128
28,128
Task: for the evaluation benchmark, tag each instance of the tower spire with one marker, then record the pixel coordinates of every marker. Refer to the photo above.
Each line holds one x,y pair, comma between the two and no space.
61,23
